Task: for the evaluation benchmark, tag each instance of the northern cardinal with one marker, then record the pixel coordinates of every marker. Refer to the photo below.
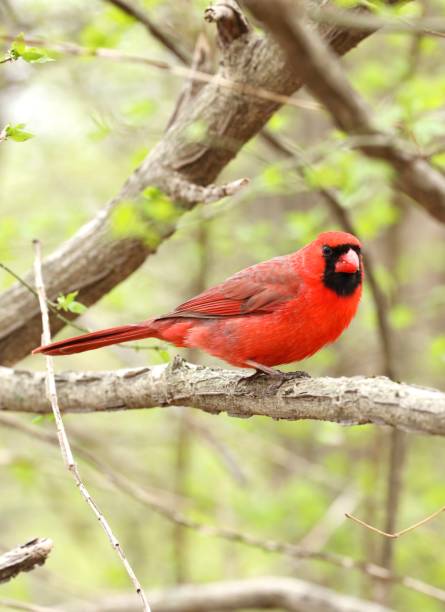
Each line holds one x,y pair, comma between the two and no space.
275,312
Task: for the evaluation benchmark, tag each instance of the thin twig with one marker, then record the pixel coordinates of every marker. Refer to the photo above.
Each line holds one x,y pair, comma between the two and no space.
402,532
433,26
141,16
180,71
64,444
51,305
54,309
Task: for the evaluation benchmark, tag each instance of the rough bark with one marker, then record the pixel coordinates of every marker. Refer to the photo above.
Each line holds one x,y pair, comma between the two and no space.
24,558
92,262
349,401
255,593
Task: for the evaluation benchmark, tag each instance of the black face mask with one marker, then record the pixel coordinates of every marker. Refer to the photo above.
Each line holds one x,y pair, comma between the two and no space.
342,283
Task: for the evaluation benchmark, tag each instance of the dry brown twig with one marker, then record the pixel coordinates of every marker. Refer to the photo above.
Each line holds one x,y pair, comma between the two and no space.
402,532
64,443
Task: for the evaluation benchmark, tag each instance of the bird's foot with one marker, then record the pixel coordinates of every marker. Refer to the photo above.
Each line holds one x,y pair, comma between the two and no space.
292,375
262,371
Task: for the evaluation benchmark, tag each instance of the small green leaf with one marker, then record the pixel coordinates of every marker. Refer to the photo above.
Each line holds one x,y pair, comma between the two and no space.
68,303
17,133
32,55
77,308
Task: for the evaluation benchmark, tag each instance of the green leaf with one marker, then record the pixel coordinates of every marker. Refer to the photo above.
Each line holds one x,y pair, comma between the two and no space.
68,303
17,133
32,55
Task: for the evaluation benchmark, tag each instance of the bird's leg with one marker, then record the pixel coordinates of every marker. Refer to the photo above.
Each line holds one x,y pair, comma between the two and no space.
277,374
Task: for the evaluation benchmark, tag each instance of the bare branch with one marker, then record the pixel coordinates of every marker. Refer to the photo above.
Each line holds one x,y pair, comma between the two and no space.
253,593
179,71
24,558
325,78
397,443
434,26
350,401
64,444
151,27
397,534
188,192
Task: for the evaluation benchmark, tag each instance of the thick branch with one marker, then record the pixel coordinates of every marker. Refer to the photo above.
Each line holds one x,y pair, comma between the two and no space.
325,78
24,558
349,401
265,592
93,263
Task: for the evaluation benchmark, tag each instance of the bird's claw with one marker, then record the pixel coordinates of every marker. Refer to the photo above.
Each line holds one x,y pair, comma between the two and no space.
276,377
292,375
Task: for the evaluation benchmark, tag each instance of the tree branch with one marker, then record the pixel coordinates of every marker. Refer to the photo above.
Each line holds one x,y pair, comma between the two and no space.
92,262
229,20
24,558
151,27
325,78
349,401
253,593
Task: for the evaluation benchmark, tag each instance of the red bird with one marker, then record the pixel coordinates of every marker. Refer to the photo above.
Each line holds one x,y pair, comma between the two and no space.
275,312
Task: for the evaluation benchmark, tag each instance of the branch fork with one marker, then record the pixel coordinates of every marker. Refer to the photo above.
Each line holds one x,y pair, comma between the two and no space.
230,21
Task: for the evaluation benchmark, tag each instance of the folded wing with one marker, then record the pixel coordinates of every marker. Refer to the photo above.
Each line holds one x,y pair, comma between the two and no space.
258,289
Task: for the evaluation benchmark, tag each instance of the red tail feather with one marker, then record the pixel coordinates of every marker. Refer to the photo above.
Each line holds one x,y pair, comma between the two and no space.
97,339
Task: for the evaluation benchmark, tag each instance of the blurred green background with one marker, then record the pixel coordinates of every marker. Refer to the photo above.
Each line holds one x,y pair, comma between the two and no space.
93,121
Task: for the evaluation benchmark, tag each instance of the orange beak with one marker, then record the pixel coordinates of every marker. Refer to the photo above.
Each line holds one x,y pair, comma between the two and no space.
348,263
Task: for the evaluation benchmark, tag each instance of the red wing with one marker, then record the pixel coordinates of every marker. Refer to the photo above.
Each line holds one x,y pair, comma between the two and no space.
258,289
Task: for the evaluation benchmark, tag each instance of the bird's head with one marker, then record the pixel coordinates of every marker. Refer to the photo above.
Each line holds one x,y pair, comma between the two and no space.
337,256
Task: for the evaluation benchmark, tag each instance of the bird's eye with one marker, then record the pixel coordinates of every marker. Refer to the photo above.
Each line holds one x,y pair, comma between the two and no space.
326,250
